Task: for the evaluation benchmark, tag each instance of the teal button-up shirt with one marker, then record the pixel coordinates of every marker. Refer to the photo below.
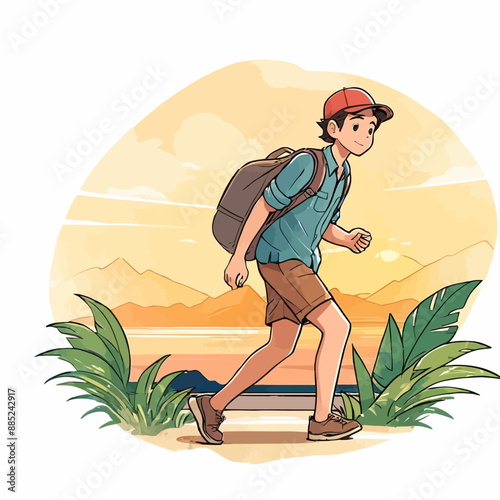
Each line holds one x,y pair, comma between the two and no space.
296,234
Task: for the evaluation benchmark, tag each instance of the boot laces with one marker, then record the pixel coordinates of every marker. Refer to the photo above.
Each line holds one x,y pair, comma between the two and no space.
336,417
219,418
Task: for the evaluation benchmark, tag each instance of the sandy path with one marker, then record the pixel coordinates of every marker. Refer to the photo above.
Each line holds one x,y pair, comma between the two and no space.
273,435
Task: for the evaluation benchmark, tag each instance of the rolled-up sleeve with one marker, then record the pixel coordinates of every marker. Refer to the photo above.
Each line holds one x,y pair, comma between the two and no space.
336,216
290,181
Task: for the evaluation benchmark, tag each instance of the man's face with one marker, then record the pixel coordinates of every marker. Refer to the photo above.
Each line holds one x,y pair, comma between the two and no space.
357,132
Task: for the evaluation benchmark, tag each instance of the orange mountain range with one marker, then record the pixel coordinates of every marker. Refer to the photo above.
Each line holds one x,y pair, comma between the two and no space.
243,307
151,300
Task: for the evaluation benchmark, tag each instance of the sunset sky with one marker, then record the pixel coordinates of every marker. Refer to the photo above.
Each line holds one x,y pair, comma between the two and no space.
151,199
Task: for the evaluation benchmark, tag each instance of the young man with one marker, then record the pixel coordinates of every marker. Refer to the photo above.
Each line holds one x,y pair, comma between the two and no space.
288,258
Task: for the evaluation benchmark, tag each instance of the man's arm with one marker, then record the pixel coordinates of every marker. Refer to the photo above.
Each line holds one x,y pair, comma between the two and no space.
236,272
357,240
292,179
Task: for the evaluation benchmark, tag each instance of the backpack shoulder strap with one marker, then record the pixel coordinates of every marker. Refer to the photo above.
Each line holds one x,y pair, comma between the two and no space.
319,170
278,152
309,190
316,180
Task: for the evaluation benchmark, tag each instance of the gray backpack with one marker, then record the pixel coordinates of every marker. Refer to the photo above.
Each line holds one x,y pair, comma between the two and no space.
247,186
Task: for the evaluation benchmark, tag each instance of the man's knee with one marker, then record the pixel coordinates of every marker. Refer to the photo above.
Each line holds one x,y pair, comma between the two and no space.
346,326
340,326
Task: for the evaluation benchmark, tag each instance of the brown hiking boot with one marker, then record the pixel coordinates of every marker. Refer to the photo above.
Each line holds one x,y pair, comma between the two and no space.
207,418
334,427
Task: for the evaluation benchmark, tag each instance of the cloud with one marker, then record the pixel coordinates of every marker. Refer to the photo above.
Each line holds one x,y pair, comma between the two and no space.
334,250
455,175
77,222
389,255
144,192
141,200
190,164
214,148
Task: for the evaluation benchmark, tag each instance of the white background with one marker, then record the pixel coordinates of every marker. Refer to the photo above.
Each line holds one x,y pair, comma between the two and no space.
64,80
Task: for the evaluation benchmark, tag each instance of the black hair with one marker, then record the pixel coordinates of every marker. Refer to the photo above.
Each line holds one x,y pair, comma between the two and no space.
339,118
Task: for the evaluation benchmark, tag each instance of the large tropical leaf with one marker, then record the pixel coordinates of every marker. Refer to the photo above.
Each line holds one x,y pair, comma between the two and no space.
145,383
417,406
364,381
104,388
431,394
108,327
180,405
144,419
184,418
445,373
415,416
433,322
160,390
161,414
116,419
438,357
90,397
383,410
86,361
84,338
403,385
130,390
446,353
117,359
428,371
168,407
352,408
389,361
426,398
105,398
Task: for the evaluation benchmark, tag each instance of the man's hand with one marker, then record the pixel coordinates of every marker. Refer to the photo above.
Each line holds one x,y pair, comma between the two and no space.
358,240
236,272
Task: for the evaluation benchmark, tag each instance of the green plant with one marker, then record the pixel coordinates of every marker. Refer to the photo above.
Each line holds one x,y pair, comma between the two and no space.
101,362
410,364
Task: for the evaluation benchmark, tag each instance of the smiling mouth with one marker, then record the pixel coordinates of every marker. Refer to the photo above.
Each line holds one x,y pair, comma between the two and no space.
358,143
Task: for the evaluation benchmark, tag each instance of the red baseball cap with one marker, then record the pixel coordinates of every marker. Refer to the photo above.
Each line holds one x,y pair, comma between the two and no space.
353,99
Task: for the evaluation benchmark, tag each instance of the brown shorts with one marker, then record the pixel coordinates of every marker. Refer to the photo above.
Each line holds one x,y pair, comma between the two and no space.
293,290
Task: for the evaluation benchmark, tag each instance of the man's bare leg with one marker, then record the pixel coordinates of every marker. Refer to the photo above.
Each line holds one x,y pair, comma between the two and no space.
335,329
284,336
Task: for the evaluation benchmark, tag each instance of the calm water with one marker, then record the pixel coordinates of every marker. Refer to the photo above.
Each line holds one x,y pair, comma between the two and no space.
218,352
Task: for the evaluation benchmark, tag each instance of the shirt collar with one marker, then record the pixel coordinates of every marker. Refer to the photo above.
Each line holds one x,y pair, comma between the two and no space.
332,164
